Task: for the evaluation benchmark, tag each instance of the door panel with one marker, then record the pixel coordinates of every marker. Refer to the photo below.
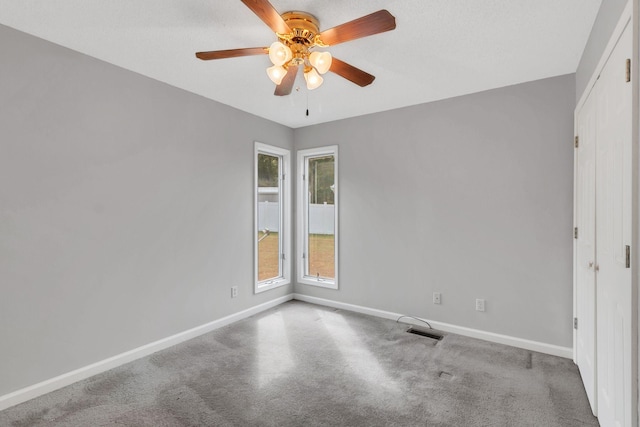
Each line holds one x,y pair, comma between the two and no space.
585,248
613,233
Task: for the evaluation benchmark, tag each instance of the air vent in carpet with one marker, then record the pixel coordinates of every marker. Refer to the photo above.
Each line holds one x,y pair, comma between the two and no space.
445,375
425,333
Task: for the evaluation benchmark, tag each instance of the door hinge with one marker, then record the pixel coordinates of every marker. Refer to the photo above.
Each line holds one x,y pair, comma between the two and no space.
283,256
576,141
575,232
627,256
628,71
304,255
575,323
283,175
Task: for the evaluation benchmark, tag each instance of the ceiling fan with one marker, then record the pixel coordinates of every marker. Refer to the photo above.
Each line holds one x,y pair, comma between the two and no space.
298,36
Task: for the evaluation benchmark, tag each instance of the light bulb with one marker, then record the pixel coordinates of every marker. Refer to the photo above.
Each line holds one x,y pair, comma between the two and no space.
276,73
313,79
321,61
279,54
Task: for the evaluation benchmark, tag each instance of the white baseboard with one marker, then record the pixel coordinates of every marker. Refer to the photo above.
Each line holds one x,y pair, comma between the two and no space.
555,350
64,380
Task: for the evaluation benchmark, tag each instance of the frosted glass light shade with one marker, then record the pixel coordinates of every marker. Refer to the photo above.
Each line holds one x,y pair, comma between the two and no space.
276,73
313,79
279,54
321,61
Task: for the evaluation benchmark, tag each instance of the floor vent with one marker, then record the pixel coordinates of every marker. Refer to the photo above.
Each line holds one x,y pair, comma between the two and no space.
424,333
445,375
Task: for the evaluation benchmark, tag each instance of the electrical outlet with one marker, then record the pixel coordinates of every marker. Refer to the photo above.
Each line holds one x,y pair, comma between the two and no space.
437,298
234,291
479,304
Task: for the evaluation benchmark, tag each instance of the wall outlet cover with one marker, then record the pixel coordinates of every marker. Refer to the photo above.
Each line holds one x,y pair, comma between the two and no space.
437,298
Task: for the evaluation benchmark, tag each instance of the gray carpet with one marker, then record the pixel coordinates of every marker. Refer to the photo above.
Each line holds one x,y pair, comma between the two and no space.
305,365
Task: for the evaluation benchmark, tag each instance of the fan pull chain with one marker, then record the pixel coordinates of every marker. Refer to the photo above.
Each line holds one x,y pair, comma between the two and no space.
307,103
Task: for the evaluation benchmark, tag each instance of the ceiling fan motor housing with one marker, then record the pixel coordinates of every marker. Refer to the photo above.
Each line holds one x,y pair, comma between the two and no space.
304,28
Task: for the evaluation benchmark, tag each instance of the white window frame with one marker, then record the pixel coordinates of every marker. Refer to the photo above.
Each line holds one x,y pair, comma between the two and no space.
285,216
302,215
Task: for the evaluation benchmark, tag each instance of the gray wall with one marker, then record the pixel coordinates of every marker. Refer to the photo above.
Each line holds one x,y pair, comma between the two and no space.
479,192
112,186
606,21
111,189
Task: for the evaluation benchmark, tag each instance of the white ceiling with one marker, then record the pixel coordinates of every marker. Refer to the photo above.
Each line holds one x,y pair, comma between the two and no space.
440,48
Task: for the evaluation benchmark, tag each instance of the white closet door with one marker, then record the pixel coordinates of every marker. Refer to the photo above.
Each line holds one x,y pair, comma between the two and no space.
585,205
613,234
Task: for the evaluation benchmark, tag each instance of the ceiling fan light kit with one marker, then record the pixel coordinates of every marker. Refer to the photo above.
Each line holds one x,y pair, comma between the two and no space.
321,61
281,53
294,47
313,79
276,73
298,34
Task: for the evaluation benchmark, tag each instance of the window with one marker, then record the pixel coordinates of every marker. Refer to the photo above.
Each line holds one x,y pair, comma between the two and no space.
318,217
272,231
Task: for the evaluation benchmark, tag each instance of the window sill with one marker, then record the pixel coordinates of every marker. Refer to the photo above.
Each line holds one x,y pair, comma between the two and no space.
271,284
322,283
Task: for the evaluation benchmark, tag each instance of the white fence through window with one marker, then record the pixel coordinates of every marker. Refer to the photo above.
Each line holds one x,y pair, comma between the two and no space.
321,218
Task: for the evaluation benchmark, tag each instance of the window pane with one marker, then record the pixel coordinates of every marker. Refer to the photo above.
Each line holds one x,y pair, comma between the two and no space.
269,222
321,218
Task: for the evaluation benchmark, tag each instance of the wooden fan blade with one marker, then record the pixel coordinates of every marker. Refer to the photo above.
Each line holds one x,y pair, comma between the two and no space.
268,14
351,73
286,85
377,22
232,53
